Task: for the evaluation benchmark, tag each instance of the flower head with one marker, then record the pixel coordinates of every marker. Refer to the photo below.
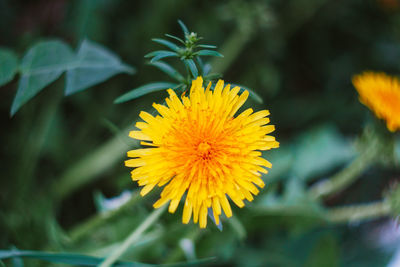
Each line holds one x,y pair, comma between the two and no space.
380,93
196,146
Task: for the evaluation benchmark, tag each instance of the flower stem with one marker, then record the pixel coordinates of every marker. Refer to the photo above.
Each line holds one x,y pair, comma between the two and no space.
99,219
133,237
90,167
357,213
345,177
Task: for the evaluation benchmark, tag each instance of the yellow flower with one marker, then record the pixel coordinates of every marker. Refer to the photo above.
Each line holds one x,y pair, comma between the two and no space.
197,146
380,93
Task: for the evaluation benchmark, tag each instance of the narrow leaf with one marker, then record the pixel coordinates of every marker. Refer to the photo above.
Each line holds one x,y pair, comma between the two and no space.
8,65
168,44
94,65
170,71
192,67
184,28
41,65
206,46
143,90
256,97
162,54
66,258
209,53
85,260
175,38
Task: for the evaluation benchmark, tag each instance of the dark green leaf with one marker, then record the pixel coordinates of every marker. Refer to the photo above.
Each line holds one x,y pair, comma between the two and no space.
192,67
94,64
41,65
8,66
66,258
160,54
143,90
206,46
319,150
252,94
175,38
85,260
163,54
170,71
209,53
183,26
200,64
168,44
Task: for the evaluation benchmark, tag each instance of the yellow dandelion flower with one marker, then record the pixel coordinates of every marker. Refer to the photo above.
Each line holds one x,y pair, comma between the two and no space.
198,147
380,93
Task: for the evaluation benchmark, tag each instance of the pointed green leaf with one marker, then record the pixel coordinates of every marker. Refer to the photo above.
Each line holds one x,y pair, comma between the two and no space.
8,65
94,65
143,90
168,44
320,150
183,26
85,260
41,65
170,71
206,46
192,67
252,94
209,53
160,54
175,38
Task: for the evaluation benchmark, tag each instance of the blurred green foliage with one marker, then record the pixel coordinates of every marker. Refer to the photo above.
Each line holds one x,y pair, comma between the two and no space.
298,56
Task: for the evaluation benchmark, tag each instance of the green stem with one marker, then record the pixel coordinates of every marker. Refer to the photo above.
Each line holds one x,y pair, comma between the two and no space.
345,177
91,167
100,219
133,237
357,213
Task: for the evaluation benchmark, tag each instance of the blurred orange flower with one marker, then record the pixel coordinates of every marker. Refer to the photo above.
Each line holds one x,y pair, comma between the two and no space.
380,93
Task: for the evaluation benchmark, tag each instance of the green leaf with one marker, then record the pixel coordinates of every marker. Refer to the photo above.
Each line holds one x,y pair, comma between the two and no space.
183,26
252,94
168,44
192,67
85,260
143,90
206,46
8,65
94,65
66,258
320,150
41,65
170,71
175,38
209,53
162,54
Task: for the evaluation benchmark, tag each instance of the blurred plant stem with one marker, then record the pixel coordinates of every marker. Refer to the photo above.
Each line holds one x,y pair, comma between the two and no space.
91,167
358,213
348,175
133,237
100,219
345,177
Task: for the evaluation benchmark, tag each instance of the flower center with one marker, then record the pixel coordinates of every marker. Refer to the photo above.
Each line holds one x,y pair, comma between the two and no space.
203,150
